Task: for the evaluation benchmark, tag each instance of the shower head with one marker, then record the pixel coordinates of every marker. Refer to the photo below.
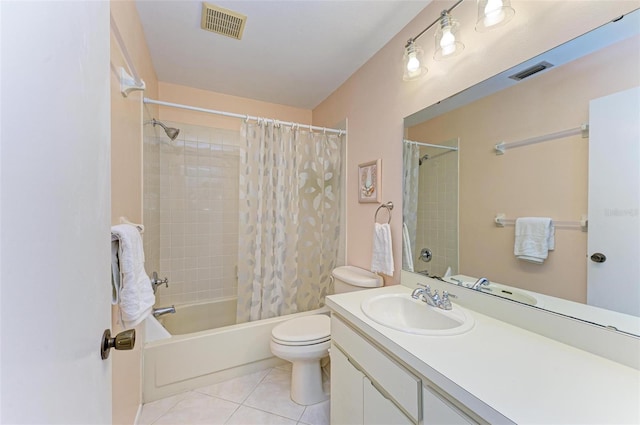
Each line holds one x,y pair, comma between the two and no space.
424,158
172,133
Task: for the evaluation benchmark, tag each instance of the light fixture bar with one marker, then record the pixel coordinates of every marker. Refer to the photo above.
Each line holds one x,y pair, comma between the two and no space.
432,24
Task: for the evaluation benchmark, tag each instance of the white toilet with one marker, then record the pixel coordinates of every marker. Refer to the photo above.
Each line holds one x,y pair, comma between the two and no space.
305,340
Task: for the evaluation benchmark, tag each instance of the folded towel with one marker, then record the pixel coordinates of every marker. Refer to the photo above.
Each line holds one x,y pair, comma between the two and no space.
534,238
131,285
382,257
407,251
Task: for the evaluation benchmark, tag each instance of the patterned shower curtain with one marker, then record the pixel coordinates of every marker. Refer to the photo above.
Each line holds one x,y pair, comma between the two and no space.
410,160
289,219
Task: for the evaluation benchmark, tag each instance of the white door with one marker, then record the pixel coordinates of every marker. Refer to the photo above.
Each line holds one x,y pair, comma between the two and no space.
614,202
54,212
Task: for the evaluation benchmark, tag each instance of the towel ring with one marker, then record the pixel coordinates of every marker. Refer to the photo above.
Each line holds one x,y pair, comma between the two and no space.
388,206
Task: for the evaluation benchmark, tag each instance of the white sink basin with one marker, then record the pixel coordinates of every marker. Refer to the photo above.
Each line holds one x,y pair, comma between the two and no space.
403,313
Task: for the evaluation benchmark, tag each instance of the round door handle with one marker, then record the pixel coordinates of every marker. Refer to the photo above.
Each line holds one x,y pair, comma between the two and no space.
598,257
125,340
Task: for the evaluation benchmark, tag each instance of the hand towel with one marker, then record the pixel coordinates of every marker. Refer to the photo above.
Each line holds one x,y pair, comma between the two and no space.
534,238
382,257
407,251
132,286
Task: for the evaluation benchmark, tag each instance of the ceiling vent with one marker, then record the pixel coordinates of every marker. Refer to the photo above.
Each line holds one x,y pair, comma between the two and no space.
531,71
222,21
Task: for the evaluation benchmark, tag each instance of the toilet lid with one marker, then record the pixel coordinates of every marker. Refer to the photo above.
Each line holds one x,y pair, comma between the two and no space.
304,329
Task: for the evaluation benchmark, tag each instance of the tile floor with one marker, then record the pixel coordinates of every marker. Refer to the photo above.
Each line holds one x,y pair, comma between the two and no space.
258,398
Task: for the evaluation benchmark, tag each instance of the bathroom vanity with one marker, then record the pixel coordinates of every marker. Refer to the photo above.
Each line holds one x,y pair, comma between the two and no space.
494,372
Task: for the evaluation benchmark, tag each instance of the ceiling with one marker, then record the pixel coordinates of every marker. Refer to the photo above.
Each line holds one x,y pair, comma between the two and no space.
293,53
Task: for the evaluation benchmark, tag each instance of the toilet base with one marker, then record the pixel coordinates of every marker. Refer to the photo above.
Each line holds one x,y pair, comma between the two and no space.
306,382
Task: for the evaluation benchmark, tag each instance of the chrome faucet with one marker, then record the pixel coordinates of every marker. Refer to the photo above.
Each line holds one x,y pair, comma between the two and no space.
155,282
157,312
483,281
432,299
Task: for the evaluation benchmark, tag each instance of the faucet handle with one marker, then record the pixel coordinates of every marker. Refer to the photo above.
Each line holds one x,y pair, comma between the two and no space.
446,302
436,298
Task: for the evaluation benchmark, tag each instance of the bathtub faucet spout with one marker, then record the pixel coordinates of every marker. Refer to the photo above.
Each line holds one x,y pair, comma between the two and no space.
157,312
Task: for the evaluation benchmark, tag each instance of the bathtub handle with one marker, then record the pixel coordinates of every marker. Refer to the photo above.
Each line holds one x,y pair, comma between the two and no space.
155,282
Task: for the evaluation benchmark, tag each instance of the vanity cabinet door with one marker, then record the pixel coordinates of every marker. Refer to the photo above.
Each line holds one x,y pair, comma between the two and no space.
439,411
379,410
400,384
346,390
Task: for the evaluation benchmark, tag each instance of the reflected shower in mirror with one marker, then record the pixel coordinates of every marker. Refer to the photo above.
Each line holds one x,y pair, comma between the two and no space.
545,170
430,207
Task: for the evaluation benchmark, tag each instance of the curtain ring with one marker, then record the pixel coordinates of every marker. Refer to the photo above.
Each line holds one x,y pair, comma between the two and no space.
246,120
324,131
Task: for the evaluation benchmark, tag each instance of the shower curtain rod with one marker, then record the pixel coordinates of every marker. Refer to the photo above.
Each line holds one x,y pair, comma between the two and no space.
451,148
244,117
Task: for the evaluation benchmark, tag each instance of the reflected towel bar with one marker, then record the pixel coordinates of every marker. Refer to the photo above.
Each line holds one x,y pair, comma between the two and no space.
501,220
583,130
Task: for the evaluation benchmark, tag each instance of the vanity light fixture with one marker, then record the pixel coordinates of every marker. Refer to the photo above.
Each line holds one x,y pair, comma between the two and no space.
413,60
491,14
447,40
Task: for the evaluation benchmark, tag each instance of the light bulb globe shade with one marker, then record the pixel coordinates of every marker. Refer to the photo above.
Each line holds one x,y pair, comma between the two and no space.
493,14
447,39
413,62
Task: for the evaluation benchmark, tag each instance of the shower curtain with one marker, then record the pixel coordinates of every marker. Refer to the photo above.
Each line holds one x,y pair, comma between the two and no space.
410,160
289,219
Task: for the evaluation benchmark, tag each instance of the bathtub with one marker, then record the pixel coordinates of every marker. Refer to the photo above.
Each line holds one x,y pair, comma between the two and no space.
203,347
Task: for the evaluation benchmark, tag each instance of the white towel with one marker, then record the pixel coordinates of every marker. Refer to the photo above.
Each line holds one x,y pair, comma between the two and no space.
407,251
534,238
382,257
132,287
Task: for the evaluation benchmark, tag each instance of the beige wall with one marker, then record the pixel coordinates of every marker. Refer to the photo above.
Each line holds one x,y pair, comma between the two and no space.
126,184
375,99
547,179
175,93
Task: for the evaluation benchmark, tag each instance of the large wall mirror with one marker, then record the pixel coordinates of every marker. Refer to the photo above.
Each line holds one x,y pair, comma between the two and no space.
568,136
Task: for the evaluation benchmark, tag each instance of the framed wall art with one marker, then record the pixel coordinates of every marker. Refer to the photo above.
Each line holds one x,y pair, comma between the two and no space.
369,181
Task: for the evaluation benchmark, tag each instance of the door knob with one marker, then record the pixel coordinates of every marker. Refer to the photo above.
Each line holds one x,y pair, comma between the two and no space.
598,258
125,340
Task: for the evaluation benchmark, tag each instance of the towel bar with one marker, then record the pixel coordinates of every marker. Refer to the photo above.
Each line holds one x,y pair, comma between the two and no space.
501,220
388,206
124,220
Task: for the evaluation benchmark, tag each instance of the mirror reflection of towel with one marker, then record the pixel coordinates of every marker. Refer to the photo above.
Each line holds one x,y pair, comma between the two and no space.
534,238
382,256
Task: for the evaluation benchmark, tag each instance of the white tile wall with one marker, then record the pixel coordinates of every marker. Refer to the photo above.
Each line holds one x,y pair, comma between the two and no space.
198,242
438,211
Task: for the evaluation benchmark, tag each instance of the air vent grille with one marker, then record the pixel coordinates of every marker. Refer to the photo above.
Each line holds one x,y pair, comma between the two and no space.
531,71
222,21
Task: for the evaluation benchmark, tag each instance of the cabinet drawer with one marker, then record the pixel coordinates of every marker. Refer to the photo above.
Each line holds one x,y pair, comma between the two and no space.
404,387
439,411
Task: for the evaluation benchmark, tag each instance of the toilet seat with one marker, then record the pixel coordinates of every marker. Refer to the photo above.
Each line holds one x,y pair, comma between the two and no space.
306,330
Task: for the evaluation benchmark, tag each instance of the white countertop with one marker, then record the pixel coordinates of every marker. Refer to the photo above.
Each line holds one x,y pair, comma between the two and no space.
522,376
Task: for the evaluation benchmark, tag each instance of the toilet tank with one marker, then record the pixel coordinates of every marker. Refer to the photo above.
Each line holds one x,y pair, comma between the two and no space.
350,278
